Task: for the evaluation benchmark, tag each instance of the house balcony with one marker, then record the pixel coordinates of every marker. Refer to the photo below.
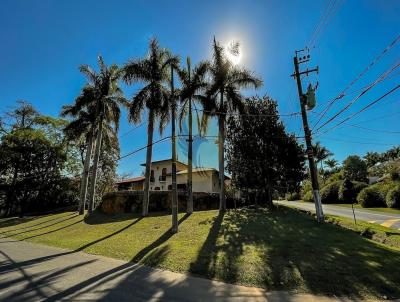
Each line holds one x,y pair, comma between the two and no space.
152,179
162,178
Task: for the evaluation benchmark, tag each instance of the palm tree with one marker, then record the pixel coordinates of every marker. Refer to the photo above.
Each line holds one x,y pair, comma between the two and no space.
321,153
82,126
226,81
153,70
108,98
331,163
192,84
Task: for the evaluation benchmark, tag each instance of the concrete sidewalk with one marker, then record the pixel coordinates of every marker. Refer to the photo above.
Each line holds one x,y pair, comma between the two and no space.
32,272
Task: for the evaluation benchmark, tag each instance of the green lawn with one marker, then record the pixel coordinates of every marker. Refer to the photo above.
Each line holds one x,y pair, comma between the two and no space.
279,250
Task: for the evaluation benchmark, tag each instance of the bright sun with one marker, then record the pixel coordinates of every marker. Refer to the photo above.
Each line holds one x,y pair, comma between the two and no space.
234,56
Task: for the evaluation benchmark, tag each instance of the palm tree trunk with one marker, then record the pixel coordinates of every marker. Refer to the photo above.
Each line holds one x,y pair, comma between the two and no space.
95,165
146,194
221,142
85,174
174,188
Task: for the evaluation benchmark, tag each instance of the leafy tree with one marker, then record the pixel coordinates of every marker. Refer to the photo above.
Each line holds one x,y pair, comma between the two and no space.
154,71
193,84
331,163
35,162
223,97
261,156
354,168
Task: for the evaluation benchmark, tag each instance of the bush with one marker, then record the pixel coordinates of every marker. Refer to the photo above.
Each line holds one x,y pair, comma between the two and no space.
308,197
371,197
330,193
293,196
349,190
393,197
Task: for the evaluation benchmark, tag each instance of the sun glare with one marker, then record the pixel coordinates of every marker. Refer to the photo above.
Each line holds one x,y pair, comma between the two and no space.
233,55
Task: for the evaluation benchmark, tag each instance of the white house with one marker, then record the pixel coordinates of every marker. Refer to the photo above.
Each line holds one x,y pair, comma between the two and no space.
204,179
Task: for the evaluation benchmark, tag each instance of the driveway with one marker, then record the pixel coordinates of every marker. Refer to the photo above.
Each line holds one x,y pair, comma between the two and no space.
387,220
32,272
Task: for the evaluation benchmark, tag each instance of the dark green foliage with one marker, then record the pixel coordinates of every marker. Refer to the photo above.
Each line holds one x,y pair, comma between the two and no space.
261,156
330,192
349,190
293,196
354,168
375,195
34,159
308,197
371,197
393,197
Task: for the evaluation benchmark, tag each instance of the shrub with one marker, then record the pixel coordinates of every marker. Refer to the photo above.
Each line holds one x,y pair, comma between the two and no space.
371,197
354,168
308,197
349,190
393,197
293,196
330,193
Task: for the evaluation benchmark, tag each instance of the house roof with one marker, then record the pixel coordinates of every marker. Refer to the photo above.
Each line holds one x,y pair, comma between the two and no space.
129,180
163,160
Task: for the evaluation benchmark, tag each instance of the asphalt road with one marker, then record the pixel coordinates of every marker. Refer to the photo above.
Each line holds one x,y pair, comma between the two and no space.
386,219
32,272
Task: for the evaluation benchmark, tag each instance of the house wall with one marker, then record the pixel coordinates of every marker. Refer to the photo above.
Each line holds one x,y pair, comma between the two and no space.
202,181
157,168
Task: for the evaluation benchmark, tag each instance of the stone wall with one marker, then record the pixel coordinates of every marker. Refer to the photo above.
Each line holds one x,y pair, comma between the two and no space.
131,201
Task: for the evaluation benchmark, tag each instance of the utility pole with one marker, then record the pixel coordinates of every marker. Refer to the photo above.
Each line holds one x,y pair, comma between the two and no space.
174,228
189,209
307,133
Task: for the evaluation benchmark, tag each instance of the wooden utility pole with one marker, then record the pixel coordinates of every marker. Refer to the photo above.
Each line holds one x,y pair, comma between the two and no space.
307,133
189,209
174,228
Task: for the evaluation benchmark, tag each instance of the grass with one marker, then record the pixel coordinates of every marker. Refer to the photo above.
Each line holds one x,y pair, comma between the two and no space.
279,250
384,210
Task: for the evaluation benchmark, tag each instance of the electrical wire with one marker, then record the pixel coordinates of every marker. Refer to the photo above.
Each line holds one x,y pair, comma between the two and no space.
365,70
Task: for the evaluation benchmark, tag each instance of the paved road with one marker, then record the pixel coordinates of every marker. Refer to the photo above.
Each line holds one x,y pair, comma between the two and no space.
387,220
32,272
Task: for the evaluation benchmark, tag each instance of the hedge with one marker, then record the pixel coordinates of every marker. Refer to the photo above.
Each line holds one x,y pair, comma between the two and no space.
330,192
349,190
393,197
375,195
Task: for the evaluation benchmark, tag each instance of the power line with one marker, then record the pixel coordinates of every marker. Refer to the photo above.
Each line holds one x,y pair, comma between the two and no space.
360,142
363,109
133,129
369,66
144,147
380,79
374,130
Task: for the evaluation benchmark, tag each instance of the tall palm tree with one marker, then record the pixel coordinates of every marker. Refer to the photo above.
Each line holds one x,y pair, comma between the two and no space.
193,84
108,98
321,153
227,80
82,126
154,71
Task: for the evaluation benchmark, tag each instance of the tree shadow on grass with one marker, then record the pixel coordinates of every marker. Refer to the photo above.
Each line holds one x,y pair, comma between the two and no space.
288,250
18,221
153,257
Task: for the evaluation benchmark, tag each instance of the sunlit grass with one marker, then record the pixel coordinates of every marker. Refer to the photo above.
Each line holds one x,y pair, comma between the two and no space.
279,250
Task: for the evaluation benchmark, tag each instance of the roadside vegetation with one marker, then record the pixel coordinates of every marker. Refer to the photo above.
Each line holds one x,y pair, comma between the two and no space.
351,182
281,249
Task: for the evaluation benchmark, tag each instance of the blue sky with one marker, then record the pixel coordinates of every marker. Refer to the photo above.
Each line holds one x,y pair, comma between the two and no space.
44,42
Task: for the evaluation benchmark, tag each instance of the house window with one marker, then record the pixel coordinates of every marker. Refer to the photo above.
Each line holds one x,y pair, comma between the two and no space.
163,175
152,176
